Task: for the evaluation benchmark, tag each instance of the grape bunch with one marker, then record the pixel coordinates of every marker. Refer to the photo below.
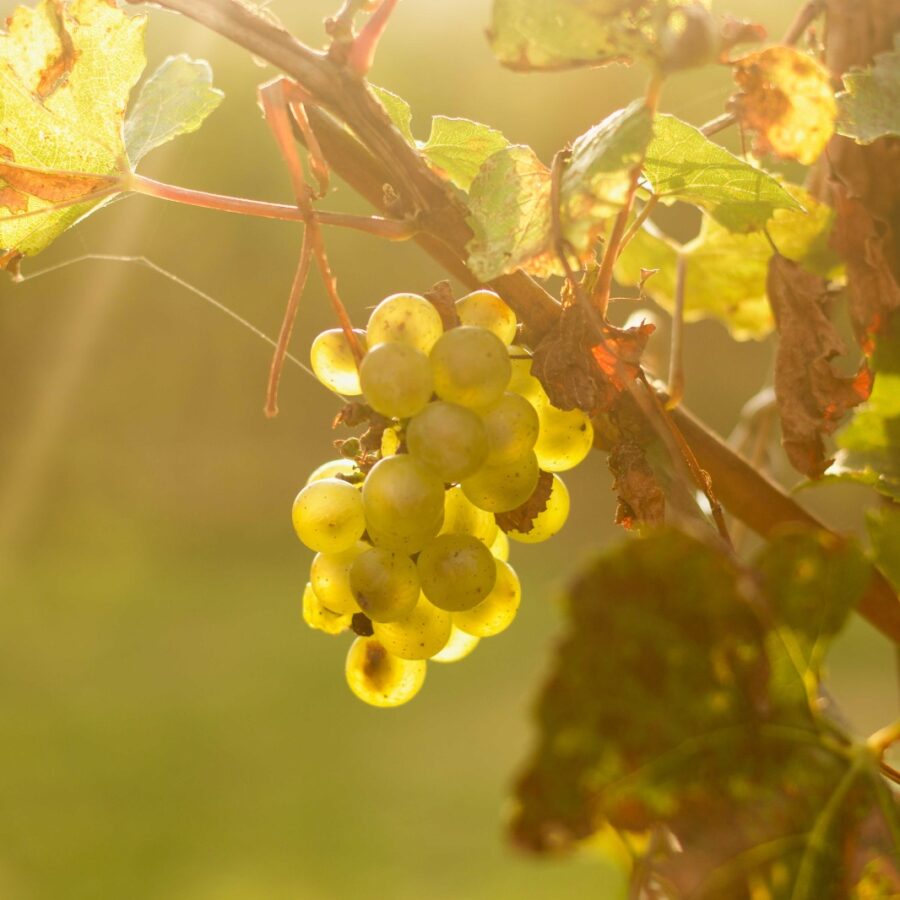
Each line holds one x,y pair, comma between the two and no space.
409,553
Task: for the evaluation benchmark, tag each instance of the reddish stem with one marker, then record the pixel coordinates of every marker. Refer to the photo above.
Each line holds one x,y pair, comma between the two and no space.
362,53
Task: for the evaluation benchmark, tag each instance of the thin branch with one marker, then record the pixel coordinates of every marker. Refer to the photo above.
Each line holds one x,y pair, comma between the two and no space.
362,52
676,352
639,220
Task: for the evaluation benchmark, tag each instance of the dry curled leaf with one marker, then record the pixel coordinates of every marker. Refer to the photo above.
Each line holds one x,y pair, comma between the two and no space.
522,517
641,499
786,98
812,399
440,296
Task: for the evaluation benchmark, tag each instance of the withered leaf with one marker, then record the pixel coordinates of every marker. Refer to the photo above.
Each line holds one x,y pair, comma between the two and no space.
811,397
786,98
641,499
522,517
440,296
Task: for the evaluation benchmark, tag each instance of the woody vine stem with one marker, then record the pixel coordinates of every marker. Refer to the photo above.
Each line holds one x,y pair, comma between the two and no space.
372,154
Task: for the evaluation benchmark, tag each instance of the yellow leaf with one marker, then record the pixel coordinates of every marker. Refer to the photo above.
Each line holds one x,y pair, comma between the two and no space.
786,98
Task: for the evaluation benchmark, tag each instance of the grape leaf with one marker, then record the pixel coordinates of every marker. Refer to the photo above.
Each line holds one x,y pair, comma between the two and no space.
398,110
869,108
811,397
65,74
759,802
683,164
871,442
597,176
458,147
541,35
176,99
786,98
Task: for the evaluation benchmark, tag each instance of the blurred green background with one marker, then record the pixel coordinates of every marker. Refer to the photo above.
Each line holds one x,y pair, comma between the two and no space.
168,726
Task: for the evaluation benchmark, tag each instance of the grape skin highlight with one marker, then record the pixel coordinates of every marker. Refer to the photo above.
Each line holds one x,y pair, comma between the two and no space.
420,635
334,363
380,679
496,612
328,515
485,309
405,319
330,578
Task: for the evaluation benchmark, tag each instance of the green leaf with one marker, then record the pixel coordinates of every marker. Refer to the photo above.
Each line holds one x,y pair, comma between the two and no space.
539,34
398,110
174,100
884,532
871,442
869,108
683,164
509,206
459,147
726,272
663,710
596,179
65,74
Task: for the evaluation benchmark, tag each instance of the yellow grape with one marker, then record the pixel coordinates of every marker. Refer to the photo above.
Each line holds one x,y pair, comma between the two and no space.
565,438
405,319
470,366
390,442
396,380
320,617
523,382
512,428
385,584
456,571
502,488
449,438
551,520
500,547
458,647
461,516
419,635
332,469
330,578
380,679
485,309
328,515
496,612
334,363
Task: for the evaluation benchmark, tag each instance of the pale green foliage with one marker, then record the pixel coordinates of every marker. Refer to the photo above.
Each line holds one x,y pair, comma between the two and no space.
398,111
869,108
458,147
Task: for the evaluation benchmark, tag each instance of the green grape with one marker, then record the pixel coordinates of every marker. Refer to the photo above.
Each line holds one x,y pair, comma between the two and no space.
524,383
320,617
471,366
390,442
405,319
328,515
461,516
396,380
512,428
485,309
500,547
404,503
565,438
458,647
380,679
551,520
330,578
419,635
334,363
449,438
496,612
332,469
385,584
502,488
457,571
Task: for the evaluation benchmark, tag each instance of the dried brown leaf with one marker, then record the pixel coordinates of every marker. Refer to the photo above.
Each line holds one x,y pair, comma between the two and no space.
641,499
812,399
440,295
522,517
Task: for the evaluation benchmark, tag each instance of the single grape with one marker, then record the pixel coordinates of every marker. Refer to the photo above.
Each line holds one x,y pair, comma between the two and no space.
496,612
334,363
419,635
471,366
457,571
333,468
485,309
461,516
405,319
449,438
390,442
380,679
458,647
404,503
329,575
320,617
565,438
385,584
512,428
551,520
328,515
500,547
524,383
396,380
502,488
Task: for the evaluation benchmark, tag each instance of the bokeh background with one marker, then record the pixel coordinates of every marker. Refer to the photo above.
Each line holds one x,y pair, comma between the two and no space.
168,726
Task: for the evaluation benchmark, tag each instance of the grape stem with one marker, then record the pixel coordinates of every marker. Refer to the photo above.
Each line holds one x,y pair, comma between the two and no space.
372,153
